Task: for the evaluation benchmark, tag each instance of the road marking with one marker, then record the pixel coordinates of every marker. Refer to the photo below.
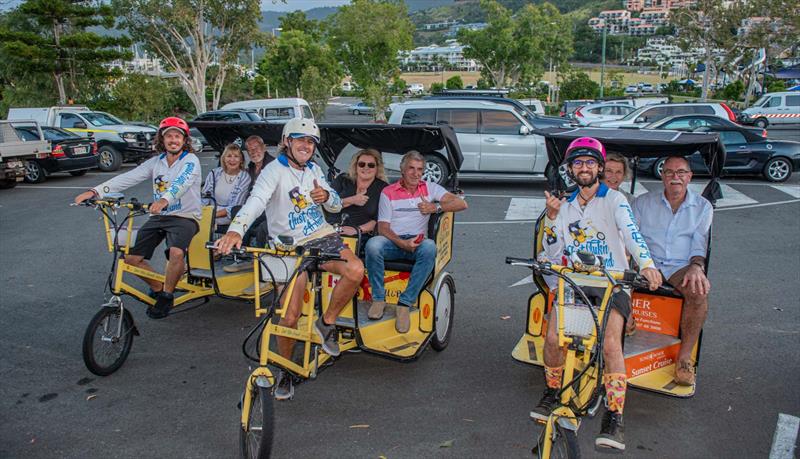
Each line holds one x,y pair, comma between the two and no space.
499,196
763,204
524,208
53,187
496,222
730,197
640,189
523,281
785,437
792,190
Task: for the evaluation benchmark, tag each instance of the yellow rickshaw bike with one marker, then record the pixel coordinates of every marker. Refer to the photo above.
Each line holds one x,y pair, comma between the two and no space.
650,355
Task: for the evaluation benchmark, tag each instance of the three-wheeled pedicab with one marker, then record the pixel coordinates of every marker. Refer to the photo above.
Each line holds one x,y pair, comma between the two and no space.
650,354
281,262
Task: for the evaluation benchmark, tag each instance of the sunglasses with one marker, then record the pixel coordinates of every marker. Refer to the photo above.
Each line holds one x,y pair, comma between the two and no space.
370,165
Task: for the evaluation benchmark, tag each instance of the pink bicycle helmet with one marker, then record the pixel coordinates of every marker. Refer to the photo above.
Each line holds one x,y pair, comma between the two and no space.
586,146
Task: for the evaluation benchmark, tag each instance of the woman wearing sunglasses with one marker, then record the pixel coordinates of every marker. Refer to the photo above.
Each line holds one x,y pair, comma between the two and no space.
360,189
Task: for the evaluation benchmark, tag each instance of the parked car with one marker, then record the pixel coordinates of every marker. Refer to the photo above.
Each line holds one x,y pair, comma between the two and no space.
68,152
16,152
606,111
280,110
415,89
238,114
496,138
360,108
749,151
647,87
536,120
773,108
117,141
534,105
570,106
631,89
652,113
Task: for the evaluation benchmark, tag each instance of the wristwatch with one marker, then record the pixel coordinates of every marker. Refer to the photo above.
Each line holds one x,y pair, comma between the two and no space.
701,265
438,208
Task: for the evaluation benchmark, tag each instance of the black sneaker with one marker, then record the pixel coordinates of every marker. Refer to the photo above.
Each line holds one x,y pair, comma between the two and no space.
284,386
612,433
327,333
546,404
162,307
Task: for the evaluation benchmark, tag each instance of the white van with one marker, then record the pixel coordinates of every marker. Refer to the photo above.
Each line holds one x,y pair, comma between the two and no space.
773,108
275,109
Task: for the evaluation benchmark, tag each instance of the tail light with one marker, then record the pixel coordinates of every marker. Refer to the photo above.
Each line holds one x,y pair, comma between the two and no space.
58,152
764,133
731,116
94,148
561,113
578,112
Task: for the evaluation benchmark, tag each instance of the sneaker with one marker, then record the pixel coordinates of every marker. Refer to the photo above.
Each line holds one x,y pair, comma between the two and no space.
684,373
611,433
376,310
237,266
284,386
264,287
327,333
162,307
402,322
546,404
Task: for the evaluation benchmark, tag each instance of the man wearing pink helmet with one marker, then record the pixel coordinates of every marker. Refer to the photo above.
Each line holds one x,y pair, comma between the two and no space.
597,219
175,211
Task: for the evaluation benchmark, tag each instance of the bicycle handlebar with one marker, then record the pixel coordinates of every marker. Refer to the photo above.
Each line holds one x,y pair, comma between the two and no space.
133,205
299,251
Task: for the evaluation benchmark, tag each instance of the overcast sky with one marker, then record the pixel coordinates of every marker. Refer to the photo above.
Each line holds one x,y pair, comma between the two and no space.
292,5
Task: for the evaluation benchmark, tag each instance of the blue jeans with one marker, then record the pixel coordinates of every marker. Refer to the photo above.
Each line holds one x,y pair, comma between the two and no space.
380,248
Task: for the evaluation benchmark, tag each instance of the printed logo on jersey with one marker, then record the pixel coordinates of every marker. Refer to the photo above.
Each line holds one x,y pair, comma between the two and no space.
586,237
305,215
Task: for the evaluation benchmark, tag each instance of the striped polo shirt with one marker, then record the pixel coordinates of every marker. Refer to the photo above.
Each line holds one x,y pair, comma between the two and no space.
398,207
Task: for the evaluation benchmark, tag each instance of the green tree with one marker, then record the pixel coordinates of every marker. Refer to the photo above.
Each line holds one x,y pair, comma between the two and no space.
578,85
194,36
733,91
293,55
455,82
370,56
436,87
51,37
297,20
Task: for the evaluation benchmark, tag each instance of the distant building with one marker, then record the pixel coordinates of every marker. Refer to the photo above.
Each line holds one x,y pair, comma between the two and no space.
655,16
439,25
471,26
664,52
430,57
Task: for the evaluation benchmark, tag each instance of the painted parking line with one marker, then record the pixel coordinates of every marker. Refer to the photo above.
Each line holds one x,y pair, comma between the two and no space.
730,197
783,442
524,208
791,190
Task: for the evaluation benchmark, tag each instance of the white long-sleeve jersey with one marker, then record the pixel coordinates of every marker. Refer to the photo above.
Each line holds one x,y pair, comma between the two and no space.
179,184
285,194
605,227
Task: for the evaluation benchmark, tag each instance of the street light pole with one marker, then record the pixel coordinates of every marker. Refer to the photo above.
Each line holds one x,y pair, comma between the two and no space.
603,62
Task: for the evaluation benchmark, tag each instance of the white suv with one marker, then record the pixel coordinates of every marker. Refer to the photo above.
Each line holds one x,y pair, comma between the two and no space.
650,113
495,139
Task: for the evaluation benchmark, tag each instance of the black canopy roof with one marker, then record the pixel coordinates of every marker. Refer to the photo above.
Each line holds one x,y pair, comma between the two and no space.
335,137
643,143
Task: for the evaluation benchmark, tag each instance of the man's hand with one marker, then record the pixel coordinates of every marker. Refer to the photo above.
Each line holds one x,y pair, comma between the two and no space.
408,245
426,207
697,281
359,199
156,207
224,244
653,276
84,196
553,205
319,194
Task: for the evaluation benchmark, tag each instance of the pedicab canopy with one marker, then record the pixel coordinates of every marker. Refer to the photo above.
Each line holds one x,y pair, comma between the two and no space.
641,143
334,138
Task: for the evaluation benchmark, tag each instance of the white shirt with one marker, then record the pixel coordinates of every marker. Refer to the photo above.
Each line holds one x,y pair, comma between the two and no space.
399,208
285,194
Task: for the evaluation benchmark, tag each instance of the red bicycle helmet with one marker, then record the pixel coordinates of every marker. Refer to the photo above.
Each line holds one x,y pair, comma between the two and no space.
586,146
173,122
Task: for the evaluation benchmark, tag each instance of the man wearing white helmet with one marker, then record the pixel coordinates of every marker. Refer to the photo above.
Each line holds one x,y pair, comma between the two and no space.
293,191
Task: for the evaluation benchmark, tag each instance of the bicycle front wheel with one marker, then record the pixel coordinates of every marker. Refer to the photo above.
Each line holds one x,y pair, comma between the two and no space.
564,444
108,340
255,442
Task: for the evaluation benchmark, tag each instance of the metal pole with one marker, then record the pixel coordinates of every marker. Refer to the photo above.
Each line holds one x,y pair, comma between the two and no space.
603,63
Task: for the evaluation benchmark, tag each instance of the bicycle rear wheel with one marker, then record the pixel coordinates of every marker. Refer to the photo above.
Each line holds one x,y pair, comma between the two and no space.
255,442
108,340
565,444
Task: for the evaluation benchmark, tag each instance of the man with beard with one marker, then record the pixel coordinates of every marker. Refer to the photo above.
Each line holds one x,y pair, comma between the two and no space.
283,183
597,219
175,211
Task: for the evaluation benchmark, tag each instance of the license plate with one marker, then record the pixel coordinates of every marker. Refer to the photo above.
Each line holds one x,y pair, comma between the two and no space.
80,150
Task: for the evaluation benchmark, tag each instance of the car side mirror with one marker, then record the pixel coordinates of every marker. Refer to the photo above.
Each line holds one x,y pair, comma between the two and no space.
79,125
641,119
524,130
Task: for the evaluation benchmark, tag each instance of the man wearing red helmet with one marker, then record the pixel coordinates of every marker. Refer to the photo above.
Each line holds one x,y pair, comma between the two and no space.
597,219
175,211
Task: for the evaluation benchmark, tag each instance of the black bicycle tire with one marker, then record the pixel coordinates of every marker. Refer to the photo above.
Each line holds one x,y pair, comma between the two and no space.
89,358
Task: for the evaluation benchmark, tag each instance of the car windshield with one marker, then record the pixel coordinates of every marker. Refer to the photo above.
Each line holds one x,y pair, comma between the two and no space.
101,119
634,113
761,101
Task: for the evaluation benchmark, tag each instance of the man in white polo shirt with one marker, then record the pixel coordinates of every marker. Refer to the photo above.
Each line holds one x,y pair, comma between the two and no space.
403,214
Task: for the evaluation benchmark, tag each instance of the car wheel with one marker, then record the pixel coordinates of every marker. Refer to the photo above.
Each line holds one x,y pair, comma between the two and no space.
34,173
78,173
356,112
436,170
110,159
761,122
778,170
658,167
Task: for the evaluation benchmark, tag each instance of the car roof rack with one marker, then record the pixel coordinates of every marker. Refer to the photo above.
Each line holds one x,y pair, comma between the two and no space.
474,92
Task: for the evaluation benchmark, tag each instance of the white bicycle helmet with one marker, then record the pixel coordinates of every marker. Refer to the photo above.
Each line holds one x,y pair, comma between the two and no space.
296,128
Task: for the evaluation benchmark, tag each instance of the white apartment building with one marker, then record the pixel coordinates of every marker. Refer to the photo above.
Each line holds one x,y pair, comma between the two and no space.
451,54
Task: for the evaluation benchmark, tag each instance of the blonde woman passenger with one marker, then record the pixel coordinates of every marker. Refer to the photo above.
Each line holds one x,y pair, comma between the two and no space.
228,184
360,189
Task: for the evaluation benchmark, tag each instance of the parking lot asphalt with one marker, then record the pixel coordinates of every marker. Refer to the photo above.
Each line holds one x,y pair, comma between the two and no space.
177,394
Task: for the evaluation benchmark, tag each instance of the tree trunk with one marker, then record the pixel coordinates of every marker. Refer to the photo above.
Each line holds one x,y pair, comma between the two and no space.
706,72
58,74
62,94
752,83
